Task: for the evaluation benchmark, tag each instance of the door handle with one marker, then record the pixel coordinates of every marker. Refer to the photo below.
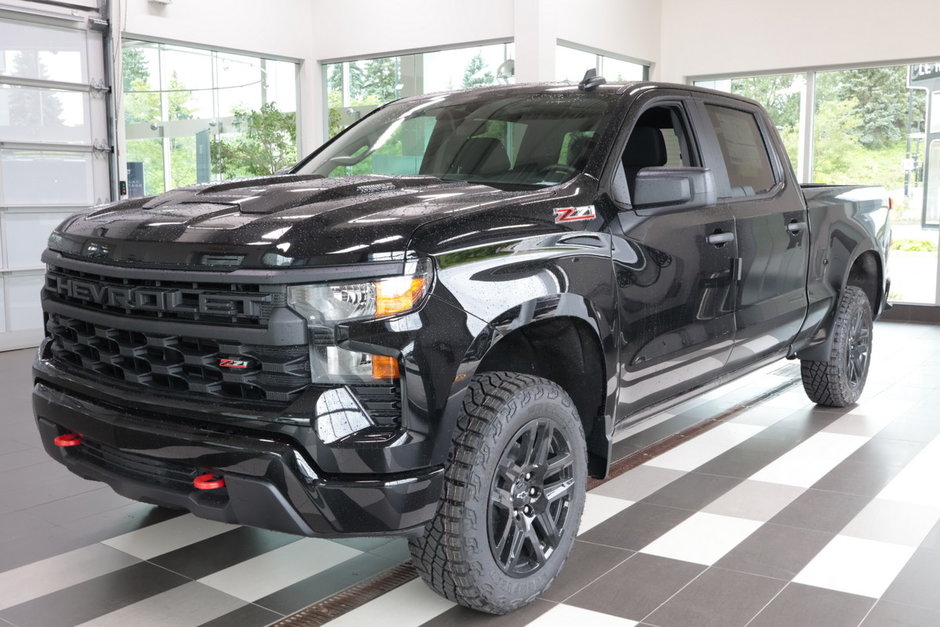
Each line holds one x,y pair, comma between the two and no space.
720,239
795,227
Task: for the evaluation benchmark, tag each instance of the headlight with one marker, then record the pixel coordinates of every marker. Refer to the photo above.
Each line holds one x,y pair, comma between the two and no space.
327,304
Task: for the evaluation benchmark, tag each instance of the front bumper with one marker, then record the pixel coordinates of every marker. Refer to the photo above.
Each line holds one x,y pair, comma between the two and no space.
268,481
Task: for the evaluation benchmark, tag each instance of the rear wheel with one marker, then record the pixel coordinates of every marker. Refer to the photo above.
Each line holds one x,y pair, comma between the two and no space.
839,381
513,495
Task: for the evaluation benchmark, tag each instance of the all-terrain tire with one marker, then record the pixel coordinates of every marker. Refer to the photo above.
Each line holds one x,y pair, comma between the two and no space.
514,491
839,381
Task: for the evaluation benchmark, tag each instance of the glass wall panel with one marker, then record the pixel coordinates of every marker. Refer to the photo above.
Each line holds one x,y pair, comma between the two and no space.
3,310
28,114
41,52
25,235
356,87
867,127
45,177
196,115
572,63
24,308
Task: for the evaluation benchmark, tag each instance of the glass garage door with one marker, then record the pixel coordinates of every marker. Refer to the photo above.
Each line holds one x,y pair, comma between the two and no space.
55,155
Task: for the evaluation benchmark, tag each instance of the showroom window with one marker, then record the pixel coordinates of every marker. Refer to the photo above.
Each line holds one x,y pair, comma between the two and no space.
571,63
865,126
354,88
194,115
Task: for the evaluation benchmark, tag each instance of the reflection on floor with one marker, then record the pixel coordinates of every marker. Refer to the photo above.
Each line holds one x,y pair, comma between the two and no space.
785,514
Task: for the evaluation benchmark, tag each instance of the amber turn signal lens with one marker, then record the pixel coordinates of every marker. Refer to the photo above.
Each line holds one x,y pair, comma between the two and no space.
384,367
395,296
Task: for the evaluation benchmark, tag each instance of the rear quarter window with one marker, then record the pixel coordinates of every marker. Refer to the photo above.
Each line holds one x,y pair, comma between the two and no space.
742,145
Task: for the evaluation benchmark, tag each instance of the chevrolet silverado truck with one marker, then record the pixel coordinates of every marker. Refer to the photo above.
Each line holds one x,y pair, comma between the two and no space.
437,323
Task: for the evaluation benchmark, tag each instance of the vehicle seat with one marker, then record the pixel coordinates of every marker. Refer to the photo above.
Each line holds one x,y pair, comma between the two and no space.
483,156
579,149
645,149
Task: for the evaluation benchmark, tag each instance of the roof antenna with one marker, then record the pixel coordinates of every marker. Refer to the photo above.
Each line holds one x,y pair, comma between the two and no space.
591,80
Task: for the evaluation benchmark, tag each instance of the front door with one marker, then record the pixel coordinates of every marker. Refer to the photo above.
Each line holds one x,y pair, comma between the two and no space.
674,273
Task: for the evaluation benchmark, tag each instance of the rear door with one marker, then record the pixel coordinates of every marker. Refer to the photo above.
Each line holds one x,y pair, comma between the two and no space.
756,186
672,266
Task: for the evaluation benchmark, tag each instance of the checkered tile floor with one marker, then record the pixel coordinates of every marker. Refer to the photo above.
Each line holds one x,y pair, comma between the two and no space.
784,514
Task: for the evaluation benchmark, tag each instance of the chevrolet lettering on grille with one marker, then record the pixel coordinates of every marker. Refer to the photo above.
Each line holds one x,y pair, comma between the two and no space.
156,299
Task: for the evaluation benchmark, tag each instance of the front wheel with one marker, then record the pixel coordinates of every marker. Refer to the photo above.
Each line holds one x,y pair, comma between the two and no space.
513,495
839,381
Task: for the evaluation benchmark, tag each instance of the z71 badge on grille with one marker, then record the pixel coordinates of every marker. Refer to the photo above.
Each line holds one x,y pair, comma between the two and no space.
572,214
233,363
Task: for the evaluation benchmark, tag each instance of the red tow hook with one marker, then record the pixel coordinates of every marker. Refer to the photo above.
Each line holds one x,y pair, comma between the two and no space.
209,482
68,439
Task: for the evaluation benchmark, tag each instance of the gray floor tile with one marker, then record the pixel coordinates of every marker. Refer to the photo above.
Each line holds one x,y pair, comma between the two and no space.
586,563
806,605
636,526
638,483
249,615
821,511
636,587
717,598
860,478
754,500
886,613
692,491
460,616
776,551
918,582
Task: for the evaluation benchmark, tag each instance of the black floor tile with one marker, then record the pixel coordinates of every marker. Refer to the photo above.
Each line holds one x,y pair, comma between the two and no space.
90,599
860,478
586,563
245,616
821,511
717,598
460,616
636,587
886,613
886,452
221,551
918,583
636,526
776,551
692,491
808,606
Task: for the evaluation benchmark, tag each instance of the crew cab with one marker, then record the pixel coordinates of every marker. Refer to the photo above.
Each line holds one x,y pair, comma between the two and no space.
436,324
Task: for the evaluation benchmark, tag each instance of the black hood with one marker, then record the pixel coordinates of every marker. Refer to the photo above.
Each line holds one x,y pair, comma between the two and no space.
288,220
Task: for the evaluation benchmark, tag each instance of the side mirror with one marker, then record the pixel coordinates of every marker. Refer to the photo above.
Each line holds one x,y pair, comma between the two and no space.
672,189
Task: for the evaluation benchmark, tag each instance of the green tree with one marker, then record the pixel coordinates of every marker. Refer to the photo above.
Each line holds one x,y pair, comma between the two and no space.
779,94
134,67
476,73
379,81
33,108
266,142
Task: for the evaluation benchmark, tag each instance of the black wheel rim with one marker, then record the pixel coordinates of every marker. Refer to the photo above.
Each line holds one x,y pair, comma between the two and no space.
856,358
530,498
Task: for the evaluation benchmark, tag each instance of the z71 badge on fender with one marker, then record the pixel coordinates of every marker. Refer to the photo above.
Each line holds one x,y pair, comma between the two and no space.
572,214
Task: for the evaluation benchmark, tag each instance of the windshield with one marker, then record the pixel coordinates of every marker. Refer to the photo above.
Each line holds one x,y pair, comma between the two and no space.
509,141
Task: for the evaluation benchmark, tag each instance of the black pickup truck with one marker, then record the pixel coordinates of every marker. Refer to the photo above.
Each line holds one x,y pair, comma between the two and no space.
436,324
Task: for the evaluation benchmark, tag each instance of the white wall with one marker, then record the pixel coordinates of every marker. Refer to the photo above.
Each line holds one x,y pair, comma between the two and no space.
745,36
629,28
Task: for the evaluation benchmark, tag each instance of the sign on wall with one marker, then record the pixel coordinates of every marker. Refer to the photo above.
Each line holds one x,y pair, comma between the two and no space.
925,71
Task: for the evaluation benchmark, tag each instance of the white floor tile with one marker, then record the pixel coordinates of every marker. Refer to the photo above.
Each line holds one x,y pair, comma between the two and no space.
917,482
700,449
568,615
56,573
702,538
808,462
188,605
167,536
856,566
638,483
893,521
754,500
599,508
411,604
269,572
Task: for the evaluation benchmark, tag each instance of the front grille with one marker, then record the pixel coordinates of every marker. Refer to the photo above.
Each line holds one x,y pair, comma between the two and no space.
179,364
234,304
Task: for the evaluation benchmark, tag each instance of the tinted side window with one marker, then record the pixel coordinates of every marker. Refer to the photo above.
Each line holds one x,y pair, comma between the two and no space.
742,146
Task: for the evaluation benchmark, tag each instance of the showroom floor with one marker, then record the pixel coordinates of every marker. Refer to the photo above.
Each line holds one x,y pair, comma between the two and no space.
780,514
